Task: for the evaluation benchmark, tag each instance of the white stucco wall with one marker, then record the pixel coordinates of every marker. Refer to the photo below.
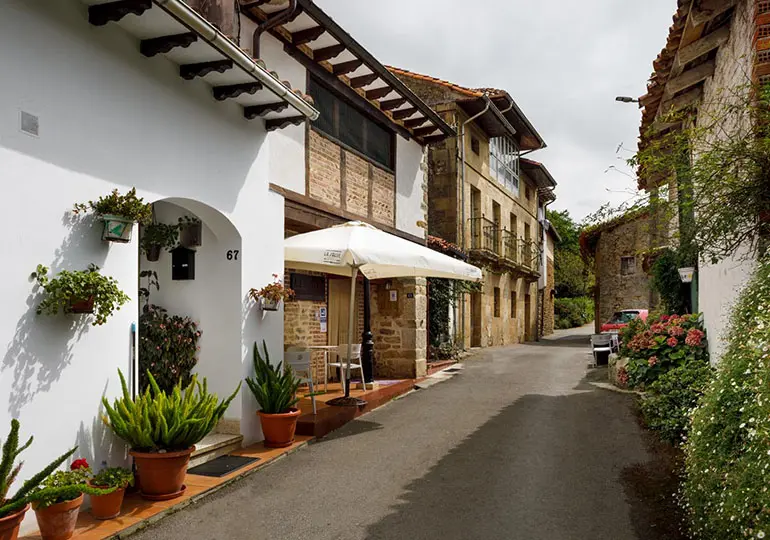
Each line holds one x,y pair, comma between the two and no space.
410,178
109,118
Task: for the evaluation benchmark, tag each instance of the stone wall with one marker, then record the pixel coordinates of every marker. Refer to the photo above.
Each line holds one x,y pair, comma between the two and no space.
345,180
616,290
400,328
302,328
548,299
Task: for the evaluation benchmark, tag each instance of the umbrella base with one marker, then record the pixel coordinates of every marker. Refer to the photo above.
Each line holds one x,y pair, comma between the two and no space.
346,402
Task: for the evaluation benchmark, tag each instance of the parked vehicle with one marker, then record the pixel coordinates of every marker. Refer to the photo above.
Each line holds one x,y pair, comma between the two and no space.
620,319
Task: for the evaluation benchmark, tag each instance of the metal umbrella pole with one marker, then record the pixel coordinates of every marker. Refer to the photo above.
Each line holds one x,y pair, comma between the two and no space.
346,400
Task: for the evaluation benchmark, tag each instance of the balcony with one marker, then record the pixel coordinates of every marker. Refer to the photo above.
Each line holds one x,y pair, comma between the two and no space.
485,238
502,251
510,248
531,257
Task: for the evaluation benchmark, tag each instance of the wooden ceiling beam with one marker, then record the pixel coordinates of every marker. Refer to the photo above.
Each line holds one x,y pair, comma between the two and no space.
681,101
390,104
433,139
101,14
424,132
415,122
261,110
222,93
404,113
346,67
190,71
698,48
164,44
280,123
363,80
378,93
327,53
689,78
306,36
708,10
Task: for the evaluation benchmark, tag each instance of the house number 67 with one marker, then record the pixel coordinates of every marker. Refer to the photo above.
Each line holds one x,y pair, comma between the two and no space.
232,255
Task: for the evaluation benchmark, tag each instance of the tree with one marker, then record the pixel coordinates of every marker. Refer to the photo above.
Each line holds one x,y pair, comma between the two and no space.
573,276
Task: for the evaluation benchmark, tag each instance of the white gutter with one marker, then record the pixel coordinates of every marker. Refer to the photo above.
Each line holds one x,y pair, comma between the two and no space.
187,16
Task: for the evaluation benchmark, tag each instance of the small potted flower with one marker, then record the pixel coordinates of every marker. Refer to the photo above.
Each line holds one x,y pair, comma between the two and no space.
190,231
119,213
271,295
156,236
108,506
85,291
59,499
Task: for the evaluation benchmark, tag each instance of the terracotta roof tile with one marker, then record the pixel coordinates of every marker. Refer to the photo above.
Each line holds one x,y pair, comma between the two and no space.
470,92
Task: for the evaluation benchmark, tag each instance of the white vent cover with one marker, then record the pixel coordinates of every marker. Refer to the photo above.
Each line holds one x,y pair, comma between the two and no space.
30,123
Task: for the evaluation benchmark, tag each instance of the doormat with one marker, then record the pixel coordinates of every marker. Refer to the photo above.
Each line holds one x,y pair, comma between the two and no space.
222,465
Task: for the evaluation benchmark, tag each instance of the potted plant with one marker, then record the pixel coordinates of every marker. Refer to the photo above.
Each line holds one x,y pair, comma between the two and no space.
156,236
85,291
190,231
275,390
13,508
119,213
58,499
162,429
108,506
271,295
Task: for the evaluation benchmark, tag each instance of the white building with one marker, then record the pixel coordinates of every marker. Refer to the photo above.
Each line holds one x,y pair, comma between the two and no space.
92,100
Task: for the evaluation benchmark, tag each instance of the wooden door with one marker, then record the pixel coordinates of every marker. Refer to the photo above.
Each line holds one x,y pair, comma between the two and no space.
476,319
528,318
339,306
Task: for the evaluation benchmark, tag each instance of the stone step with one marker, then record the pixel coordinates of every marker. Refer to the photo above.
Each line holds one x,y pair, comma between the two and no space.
214,445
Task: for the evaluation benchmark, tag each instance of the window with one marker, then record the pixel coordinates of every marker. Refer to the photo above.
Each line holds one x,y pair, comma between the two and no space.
348,125
513,304
504,162
528,193
497,301
475,145
627,266
308,287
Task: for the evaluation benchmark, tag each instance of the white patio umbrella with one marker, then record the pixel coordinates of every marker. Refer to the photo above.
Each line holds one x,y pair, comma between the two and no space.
357,247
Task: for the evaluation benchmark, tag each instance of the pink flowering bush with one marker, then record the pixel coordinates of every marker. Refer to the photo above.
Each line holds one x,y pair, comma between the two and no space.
659,345
168,348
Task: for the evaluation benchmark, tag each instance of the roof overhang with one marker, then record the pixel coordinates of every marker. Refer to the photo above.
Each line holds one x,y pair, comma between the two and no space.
311,36
172,29
504,118
539,173
492,121
529,138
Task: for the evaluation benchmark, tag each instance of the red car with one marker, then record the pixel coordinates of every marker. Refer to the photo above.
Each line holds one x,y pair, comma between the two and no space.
620,319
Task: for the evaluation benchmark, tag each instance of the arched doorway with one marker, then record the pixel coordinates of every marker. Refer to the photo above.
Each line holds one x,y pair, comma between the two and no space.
211,297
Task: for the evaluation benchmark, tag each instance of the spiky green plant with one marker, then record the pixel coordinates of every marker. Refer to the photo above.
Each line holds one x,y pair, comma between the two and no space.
8,473
156,421
275,389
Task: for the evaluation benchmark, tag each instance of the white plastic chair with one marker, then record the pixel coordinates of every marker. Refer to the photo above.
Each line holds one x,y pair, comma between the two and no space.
299,360
600,343
342,357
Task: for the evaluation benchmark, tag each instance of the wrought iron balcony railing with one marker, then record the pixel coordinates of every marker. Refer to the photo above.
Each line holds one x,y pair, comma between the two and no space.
485,235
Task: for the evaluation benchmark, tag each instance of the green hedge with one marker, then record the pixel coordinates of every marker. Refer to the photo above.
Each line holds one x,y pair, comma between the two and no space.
727,455
573,312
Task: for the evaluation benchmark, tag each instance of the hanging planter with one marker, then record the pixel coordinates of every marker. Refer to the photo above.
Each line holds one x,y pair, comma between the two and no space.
153,253
271,295
686,274
154,237
82,305
119,213
190,232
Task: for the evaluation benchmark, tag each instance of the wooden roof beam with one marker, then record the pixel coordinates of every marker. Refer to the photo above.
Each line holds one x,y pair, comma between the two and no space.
280,123
404,113
101,14
689,78
190,71
424,132
222,93
363,80
698,48
347,67
709,10
306,36
390,104
164,44
682,101
261,110
378,93
416,122
327,53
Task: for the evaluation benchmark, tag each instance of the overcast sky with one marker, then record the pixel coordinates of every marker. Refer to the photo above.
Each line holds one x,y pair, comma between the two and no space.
563,61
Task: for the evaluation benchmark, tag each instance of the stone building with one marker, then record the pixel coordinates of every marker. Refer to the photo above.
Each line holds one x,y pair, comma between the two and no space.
715,50
547,292
487,201
620,250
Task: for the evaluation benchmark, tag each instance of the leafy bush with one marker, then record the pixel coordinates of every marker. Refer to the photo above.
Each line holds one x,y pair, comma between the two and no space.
274,388
64,486
669,400
127,206
158,421
159,234
666,280
727,455
8,472
117,477
657,346
573,312
168,348
78,286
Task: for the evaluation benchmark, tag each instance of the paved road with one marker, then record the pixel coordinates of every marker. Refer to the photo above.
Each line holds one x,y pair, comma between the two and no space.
519,446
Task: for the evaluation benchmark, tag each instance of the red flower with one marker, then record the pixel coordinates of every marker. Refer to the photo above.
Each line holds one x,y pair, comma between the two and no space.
658,328
694,337
79,464
652,361
672,342
664,318
676,331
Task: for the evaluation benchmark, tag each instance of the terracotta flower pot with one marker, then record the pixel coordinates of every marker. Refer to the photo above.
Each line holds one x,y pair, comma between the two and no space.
57,522
106,506
9,525
279,428
162,474
82,305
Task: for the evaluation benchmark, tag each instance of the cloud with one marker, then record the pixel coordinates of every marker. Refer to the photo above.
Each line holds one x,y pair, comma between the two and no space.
562,61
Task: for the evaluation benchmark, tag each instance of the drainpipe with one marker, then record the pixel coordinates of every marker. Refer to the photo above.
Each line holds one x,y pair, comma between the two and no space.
187,16
271,22
462,188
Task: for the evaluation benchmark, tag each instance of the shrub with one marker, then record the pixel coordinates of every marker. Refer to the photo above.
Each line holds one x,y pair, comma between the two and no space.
657,346
158,421
727,455
64,486
573,312
168,348
669,400
127,206
115,477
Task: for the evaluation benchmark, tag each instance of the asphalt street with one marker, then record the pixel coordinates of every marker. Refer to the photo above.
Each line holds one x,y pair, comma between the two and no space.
518,446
